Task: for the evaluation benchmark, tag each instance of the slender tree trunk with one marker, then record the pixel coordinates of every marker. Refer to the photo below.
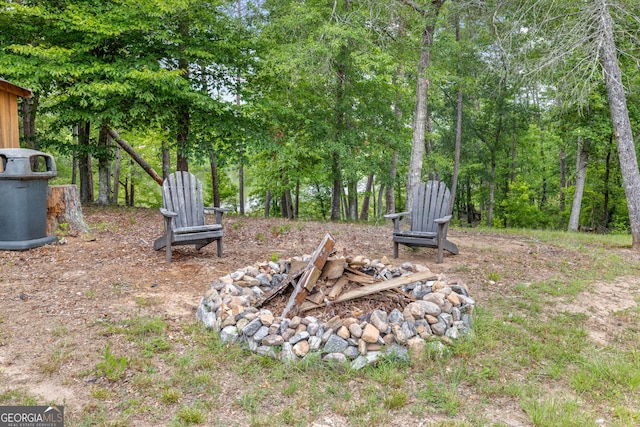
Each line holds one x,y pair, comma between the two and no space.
74,160
166,161
267,204
135,156
581,177
456,150
103,167
285,201
84,163
621,124
492,189
456,154
116,175
364,214
183,117
469,203
336,191
563,178
29,110
607,176
420,117
215,182
352,200
296,202
241,185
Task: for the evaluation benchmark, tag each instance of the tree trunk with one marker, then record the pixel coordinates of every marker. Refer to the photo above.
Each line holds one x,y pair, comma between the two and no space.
336,191
456,154
607,177
135,156
563,178
29,110
241,187
74,159
215,182
352,185
420,117
492,189
166,161
621,124
581,177
84,163
364,214
103,167
296,203
267,204
116,175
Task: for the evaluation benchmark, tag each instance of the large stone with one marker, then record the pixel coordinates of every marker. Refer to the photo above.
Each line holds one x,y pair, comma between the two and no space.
370,334
335,358
379,319
272,340
335,344
252,327
301,348
430,308
229,334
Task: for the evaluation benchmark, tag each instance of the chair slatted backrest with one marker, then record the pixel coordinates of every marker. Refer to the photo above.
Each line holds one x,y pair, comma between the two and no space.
430,202
182,193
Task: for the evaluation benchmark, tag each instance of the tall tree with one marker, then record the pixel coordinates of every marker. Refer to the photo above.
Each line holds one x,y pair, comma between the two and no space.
579,38
429,14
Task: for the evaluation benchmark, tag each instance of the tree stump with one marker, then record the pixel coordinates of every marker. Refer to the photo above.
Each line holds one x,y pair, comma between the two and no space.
63,207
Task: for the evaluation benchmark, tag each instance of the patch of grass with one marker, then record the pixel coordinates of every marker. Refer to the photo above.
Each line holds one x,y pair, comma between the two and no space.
396,399
112,367
144,327
260,237
101,393
170,396
147,302
18,397
56,358
279,230
608,374
191,415
493,276
553,412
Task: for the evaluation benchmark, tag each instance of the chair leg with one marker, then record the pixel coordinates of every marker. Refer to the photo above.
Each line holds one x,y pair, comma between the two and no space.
395,249
440,244
168,247
219,248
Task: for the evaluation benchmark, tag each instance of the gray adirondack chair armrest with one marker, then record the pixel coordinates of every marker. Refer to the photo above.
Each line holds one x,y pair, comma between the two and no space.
396,217
167,213
217,211
443,220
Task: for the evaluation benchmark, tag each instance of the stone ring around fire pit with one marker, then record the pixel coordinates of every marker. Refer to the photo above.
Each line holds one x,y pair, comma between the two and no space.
419,313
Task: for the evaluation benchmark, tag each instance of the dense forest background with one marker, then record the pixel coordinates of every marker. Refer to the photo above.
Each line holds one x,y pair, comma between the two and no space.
332,109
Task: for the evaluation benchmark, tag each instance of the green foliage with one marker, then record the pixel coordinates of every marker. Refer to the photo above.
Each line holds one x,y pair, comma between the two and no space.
112,367
519,208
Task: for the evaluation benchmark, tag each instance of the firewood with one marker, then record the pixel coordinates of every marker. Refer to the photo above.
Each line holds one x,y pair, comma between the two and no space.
310,275
336,290
374,288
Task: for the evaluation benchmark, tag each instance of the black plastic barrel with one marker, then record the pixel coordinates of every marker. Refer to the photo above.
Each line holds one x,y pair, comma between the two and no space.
24,176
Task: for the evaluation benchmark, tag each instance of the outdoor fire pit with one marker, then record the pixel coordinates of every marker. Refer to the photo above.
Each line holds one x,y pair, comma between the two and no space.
349,310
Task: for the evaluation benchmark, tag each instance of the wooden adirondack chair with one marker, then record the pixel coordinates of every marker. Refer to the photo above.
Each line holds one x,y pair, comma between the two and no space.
184,215
429,220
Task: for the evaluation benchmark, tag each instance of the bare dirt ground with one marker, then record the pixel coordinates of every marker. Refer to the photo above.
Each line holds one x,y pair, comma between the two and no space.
105,275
